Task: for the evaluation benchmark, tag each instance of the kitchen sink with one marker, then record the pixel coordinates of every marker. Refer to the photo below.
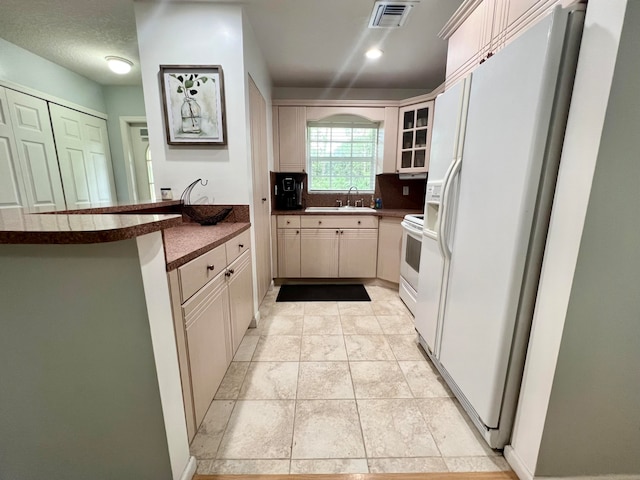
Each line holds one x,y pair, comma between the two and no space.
345,209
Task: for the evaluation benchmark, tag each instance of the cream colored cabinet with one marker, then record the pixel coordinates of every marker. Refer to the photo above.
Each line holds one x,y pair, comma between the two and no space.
338,246
84,157
470,40
289,138
289,252
389,247
358,253
29,175
288,240
319,249
212,304
240,284
207,326
414,137
480,28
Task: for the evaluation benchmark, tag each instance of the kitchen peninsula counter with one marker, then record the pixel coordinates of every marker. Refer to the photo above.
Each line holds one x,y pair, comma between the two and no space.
20,227
187,241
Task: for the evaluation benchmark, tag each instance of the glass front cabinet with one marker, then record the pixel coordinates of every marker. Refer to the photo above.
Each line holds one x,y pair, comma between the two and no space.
414,137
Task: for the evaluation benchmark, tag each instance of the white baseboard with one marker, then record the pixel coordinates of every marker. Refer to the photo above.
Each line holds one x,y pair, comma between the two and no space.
516,463
190,469
255,321
523,473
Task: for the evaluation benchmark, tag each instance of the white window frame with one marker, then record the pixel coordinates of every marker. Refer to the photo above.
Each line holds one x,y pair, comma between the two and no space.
348,121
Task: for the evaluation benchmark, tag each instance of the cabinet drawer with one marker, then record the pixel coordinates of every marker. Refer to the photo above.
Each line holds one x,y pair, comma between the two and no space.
288,221
238,245
339,221
195,274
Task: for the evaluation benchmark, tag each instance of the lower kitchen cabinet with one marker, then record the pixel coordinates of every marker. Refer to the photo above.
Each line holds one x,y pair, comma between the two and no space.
289,252
341,246
210,323
319,250
208,335
389,248
240,285
358,253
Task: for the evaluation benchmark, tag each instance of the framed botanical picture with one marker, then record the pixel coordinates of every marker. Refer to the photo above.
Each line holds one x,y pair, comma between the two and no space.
193,100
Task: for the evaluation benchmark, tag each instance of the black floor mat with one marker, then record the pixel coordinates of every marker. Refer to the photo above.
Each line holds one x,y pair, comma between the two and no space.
323,293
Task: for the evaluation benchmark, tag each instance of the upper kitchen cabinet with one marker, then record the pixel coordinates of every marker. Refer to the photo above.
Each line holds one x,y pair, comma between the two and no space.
414,137
289,138
290,130
479,28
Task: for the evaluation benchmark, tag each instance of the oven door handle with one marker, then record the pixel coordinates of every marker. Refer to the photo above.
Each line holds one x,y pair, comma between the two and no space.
411,229
444,225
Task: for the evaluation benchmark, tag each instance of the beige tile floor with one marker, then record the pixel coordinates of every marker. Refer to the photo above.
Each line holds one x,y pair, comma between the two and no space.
336,387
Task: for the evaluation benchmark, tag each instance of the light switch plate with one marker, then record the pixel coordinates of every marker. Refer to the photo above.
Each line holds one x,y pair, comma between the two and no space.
405,190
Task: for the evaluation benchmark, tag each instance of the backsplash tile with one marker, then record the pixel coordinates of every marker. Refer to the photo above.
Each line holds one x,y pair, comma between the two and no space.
388,188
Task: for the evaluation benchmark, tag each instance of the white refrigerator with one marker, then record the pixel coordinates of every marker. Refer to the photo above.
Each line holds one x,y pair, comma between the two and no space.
496,147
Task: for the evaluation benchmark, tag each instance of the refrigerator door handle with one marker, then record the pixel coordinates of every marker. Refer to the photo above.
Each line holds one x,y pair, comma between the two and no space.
442,240
443,210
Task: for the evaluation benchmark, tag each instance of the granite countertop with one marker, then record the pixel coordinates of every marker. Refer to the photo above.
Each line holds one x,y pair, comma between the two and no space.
185,242
20,227
383,212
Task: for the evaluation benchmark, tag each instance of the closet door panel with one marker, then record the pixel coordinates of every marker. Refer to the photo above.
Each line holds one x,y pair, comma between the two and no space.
36,151
12,193
85,160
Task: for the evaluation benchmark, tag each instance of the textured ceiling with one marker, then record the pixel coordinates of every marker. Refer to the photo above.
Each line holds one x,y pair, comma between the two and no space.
306,43
76,34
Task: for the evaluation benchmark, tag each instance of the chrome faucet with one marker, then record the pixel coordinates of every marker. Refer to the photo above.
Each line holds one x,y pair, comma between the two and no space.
349,195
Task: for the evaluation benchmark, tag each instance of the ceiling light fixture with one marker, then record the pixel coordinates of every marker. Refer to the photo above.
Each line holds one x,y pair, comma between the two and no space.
118,65
373,53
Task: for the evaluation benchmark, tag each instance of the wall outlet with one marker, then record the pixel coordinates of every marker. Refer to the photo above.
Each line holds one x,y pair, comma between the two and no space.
405,190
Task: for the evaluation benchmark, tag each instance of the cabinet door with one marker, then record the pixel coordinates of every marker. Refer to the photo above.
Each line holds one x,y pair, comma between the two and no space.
240,283
414,137
85,160
358,253
389,248
12,190
288,253
208,342
469,42
319,253
36,151
292,132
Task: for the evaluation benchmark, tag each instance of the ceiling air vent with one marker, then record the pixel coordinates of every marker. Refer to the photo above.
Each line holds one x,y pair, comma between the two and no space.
390,14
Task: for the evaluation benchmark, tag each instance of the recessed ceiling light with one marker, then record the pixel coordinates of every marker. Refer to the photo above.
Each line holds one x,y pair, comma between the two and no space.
119,65
373,53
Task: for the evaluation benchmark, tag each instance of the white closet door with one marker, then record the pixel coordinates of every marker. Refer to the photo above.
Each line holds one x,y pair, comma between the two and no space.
36,151
83,153
12,191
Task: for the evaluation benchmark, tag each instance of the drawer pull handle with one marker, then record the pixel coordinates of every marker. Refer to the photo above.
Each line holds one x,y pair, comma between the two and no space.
241,245
337,231
297,232
319,222
211,267
231,270
227,274
359,222
288,222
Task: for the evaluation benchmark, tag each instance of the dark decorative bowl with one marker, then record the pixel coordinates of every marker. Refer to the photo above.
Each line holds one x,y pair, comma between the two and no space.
204,219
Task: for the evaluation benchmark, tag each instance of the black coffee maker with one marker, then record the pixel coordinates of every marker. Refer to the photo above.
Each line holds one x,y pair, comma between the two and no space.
288,190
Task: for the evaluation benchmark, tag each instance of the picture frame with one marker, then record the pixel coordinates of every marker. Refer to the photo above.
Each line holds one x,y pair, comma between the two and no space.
193,103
